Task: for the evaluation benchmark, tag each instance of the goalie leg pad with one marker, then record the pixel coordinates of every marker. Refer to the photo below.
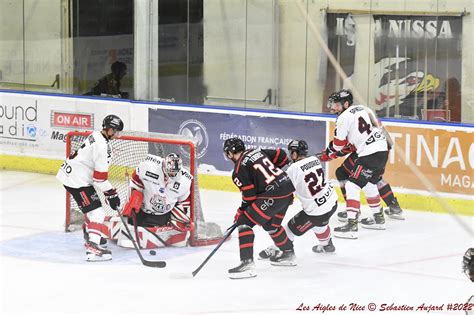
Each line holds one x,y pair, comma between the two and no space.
178,213
148,241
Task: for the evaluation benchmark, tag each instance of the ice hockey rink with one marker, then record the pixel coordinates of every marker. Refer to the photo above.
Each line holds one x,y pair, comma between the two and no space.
413,263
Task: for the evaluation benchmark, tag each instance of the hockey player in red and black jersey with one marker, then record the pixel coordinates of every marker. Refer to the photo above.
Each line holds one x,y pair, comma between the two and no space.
267,192
86,167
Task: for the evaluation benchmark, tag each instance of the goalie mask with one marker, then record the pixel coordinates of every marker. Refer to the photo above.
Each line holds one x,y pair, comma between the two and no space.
172,165
468,264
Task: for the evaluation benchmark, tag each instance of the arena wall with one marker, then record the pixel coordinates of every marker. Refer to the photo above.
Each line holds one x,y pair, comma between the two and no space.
34,125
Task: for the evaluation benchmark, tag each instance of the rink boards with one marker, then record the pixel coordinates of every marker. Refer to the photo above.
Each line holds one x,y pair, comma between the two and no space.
33,129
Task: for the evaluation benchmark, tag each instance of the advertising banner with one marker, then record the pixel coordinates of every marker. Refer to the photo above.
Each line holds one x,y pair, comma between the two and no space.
211,130
445,155
36,125
417,62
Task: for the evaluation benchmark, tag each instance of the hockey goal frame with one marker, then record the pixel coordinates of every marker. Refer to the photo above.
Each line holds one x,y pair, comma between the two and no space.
193,239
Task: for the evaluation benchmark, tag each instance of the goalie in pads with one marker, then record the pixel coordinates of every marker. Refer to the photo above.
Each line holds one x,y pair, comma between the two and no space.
158,203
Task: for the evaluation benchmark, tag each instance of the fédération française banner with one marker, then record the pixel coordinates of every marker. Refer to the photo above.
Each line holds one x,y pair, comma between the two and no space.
211,130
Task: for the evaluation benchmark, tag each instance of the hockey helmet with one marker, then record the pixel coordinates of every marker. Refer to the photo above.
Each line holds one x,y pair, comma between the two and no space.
112,121
173,164
468,263
340,96
234,145
298,146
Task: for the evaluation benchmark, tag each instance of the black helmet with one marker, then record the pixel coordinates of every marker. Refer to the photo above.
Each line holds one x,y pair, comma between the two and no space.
468,263
234,145
112,121
298,146
340,96
173,164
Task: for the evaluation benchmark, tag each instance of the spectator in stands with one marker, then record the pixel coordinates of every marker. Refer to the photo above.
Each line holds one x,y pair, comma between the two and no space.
110,83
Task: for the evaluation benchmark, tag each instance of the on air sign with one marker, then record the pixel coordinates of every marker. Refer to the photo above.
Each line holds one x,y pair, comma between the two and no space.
72,120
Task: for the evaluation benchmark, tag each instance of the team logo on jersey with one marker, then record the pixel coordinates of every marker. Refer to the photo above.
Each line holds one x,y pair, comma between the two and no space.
324,198
158,204
176,185
152,175
375,137
194,128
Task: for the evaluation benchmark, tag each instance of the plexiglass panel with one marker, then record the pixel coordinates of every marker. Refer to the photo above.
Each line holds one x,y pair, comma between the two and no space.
405,59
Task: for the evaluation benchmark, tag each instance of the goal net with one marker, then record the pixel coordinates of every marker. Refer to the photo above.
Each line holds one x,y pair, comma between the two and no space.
131,148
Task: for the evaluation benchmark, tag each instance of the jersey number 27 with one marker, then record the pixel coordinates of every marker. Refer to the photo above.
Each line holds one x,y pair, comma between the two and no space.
315,181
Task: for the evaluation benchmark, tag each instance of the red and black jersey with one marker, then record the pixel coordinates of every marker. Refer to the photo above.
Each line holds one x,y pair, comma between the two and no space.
257,174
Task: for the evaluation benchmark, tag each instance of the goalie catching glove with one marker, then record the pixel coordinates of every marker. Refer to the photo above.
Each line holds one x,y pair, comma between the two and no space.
134,204
179,220
112,198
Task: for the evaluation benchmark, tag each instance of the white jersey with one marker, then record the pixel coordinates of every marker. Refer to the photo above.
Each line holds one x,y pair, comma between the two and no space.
358,125
316,195
89,164
160,192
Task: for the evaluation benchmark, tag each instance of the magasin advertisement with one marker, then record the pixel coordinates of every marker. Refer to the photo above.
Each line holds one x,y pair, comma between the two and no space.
445,156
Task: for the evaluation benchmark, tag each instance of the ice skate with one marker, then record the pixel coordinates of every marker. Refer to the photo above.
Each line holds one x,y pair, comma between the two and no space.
246,269
284,258
350,230
377,223
329,248
103,241
395,212
342,216
267,253
96,252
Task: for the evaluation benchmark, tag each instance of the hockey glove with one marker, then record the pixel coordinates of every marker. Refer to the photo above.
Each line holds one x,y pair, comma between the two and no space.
134,204
112,198
348,149
323,156
328,154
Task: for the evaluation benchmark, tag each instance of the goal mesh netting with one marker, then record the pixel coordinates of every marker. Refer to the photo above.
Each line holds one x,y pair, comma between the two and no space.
129,150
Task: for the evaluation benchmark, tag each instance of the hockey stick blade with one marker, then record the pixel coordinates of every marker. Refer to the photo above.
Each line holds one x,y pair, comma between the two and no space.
224,238
156,264
148,263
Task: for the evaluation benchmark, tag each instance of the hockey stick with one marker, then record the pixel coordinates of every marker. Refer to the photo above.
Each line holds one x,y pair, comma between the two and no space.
224,238
134,218
162,241
148,263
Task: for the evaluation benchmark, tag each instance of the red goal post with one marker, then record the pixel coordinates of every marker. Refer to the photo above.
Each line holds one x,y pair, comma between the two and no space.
128,150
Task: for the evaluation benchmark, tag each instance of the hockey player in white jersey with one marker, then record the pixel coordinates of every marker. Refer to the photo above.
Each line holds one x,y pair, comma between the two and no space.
357,125
318,198
88,167
160,188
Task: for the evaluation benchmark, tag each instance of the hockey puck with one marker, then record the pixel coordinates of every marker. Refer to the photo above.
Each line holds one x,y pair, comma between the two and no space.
152,252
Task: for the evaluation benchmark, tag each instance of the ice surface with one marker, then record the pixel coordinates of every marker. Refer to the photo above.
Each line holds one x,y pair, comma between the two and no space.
43,269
